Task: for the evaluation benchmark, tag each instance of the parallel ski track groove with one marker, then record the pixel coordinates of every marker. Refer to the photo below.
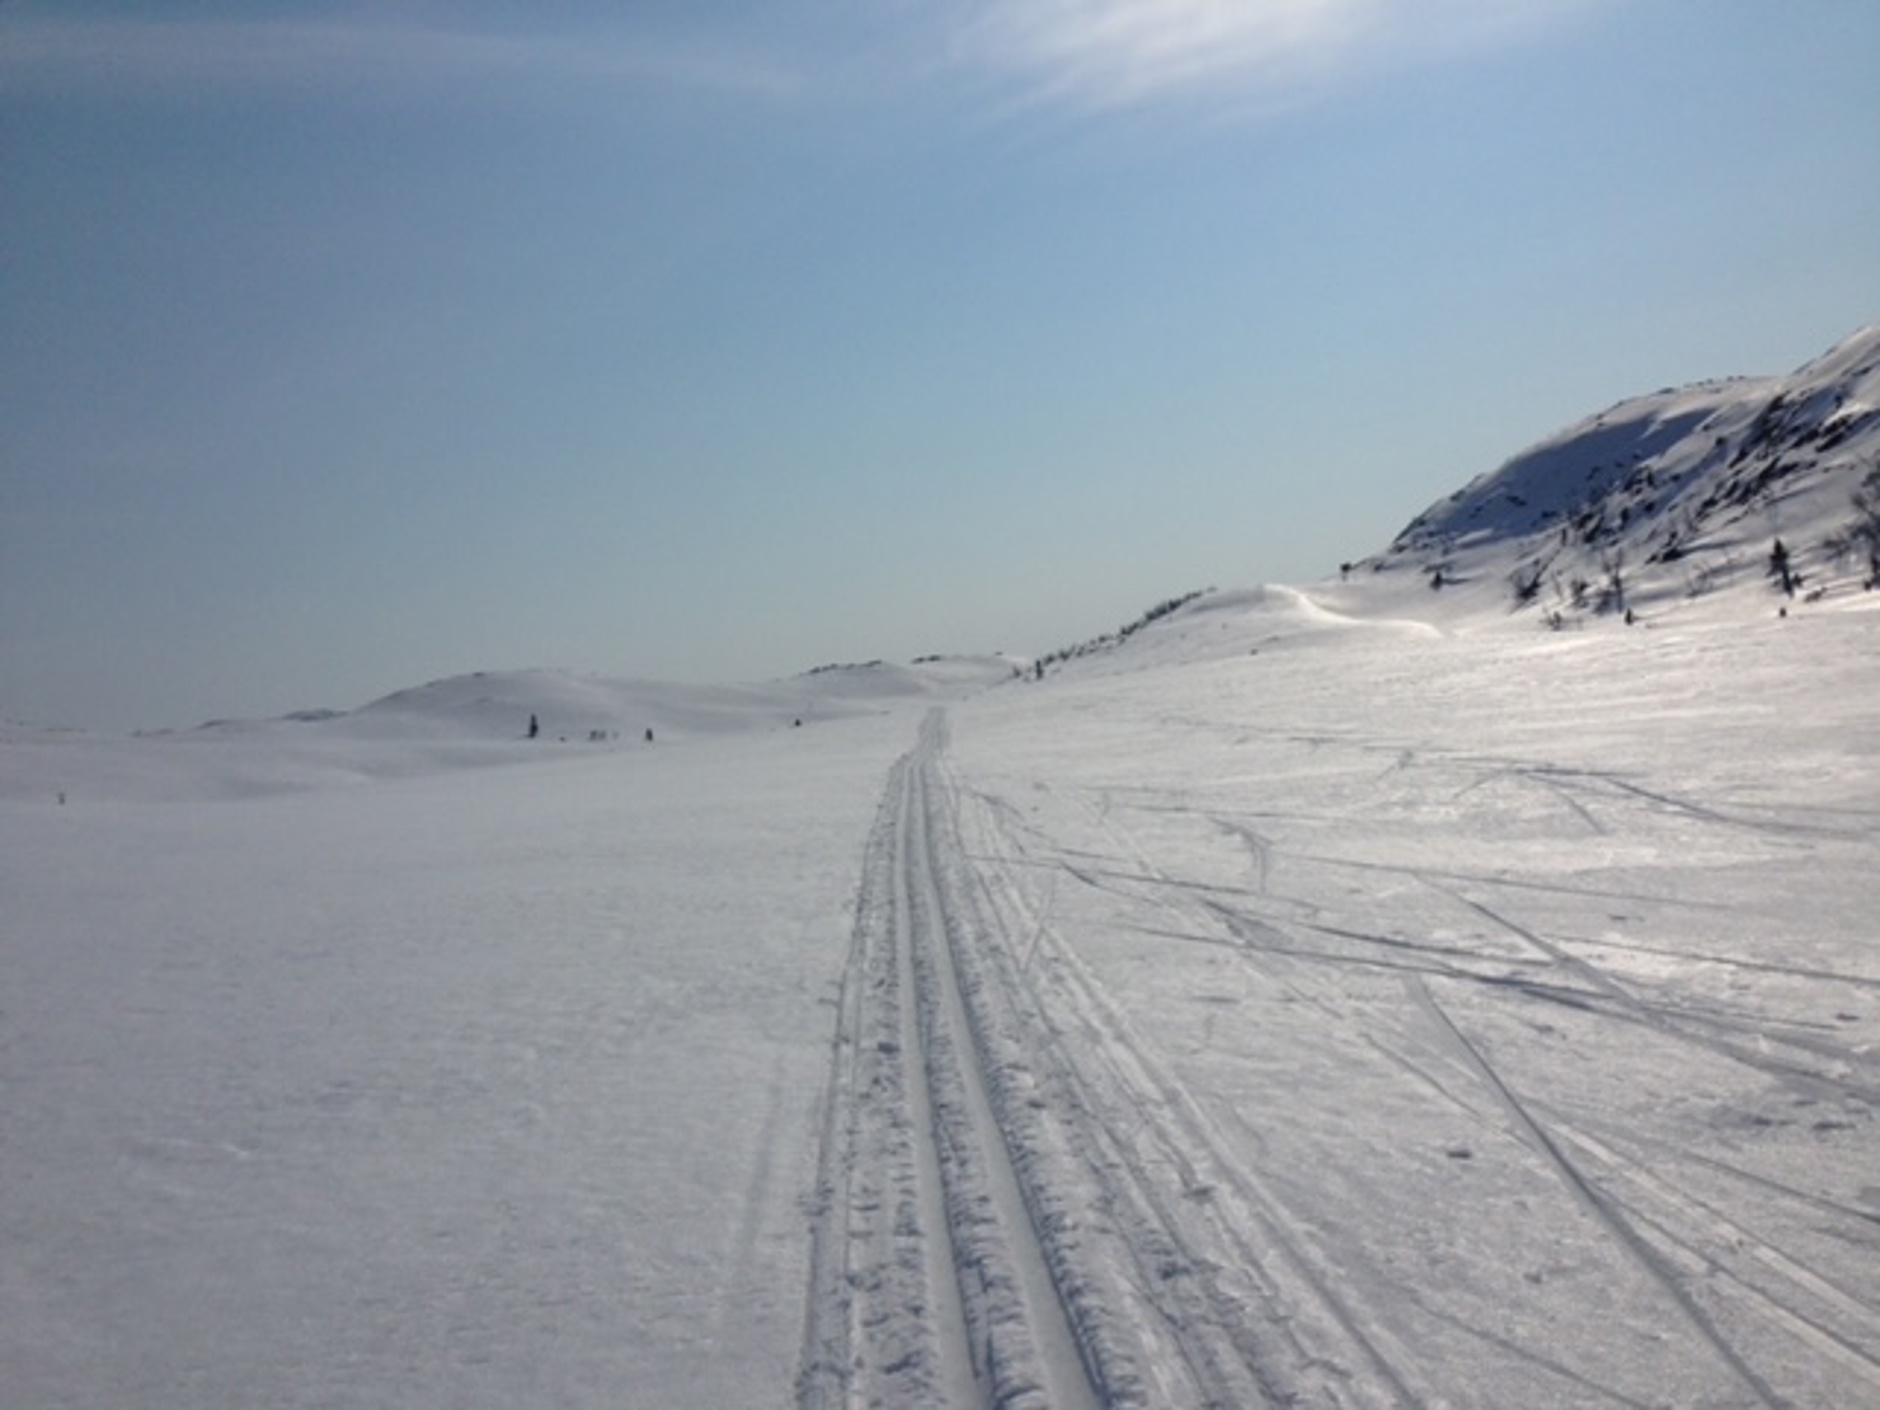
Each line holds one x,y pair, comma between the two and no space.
867,1253
1719,1242
1026,1345
1659,1244
1265,1324
975,1350
933,1279
1689,1026
1622,1227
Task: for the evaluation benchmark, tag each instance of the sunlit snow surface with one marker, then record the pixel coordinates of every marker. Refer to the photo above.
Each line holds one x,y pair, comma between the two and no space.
1364,1012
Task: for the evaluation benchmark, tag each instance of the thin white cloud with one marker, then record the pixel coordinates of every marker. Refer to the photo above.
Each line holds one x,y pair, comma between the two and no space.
1101,54
126,57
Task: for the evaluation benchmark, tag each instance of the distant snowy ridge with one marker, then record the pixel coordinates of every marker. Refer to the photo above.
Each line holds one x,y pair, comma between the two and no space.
468,721
1669,497
566,704
497,705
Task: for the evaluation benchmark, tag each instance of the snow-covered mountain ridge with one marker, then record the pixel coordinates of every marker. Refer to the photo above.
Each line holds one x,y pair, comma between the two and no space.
1668,497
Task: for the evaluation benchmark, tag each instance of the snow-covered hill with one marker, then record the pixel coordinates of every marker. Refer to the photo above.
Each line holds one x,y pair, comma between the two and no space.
1335,995
1665,499
461,722
1286,1006
498,704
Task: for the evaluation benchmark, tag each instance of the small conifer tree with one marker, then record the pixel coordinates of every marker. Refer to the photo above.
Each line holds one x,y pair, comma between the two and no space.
1866,527
1779,568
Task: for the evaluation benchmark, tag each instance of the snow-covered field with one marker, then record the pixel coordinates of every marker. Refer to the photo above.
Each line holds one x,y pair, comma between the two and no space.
1297,1005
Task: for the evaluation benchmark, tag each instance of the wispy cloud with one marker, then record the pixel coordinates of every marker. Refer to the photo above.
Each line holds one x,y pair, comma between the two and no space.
1099,54
314,57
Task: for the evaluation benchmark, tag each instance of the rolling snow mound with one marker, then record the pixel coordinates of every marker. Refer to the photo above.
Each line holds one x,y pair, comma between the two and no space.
460,722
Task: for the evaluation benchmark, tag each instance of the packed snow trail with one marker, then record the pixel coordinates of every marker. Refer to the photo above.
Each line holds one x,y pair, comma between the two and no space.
1021,1210
931,1284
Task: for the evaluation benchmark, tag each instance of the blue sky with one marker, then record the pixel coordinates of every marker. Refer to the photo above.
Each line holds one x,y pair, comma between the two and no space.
350,346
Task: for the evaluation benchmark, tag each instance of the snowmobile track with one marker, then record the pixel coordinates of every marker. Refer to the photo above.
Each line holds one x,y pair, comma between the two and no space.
930,1281
1018,1203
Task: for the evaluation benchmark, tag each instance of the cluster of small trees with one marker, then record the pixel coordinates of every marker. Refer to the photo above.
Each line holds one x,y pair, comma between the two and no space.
595,736
1862,536
1576,592
1119,636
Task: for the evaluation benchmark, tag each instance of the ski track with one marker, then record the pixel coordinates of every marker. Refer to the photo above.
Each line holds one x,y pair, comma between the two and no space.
1020,1203
948,1293
1609,1214
1251,1312
1706,1030
1840,1323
